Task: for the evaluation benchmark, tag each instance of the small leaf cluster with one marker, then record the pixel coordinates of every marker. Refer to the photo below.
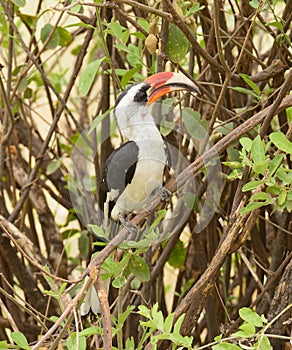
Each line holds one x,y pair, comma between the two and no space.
167,329
247,337
131,262
270,177
253,90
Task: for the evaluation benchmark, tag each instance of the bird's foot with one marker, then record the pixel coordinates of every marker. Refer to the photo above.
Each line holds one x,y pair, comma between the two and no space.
130,226
164,193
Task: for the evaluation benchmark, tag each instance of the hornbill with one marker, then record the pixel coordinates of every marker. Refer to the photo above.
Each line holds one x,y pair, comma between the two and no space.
134,172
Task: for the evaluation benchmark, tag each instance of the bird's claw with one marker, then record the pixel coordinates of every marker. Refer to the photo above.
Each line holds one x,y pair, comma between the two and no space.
130,226
164,193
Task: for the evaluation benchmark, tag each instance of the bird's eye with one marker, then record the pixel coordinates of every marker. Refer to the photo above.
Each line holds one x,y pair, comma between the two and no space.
141,95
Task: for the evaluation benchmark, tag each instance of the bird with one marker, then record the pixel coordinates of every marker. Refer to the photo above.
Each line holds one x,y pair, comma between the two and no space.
133,173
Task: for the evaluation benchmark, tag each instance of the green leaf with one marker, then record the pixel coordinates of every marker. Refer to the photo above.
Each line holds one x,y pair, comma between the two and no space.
282,197
124,315
3,345
254,205
119,282
246,143
275,163
97,121
97,230
248,328
258,151
177,45
262,196
218,337
285,176
245,91
20,340
278,25
225,346
23,84
254,3
252,185
260,168
130,344
250,83
129,74
19,3
139,268
134,55
263,343
251,317
143,23
118,31
51,294
166,127
280,140
65,37
233,164
144,311
87,332
45,33
178,324
72,341
168,323
196,127
178,255
156,222
88,75
241,334
53,166
274,189
83,244
195,8
157,317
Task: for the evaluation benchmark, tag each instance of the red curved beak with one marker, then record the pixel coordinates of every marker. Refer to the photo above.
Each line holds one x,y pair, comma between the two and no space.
165,82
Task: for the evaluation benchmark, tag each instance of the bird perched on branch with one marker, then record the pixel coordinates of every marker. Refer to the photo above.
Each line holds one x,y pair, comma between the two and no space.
134,172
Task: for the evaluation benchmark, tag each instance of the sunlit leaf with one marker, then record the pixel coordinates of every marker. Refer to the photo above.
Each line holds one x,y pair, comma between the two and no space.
278,25
53,166
20,340
280,140
225,346
250,317
254,3
87,77
282,197
253,206
245,91
252,185
250,83
275,163
119,281
257,150
246,143
65,37
19,3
